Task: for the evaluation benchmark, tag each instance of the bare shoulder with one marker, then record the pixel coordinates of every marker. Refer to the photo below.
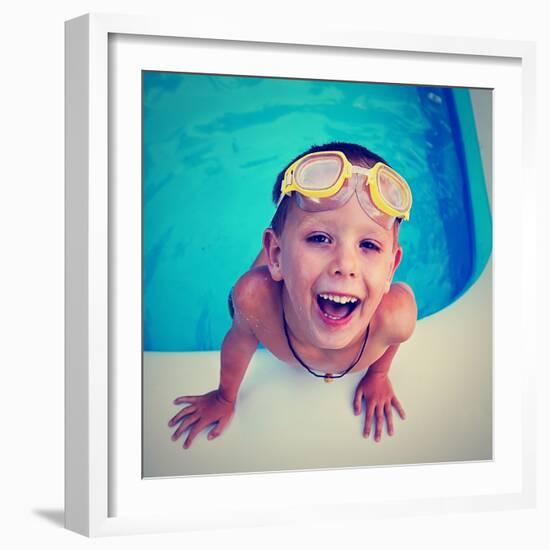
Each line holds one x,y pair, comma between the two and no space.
255,294
397,313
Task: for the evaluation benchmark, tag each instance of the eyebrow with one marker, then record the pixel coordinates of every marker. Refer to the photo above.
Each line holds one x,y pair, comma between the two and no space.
309,224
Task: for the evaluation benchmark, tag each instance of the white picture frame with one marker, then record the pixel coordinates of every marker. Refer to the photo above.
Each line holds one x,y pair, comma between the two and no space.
101,498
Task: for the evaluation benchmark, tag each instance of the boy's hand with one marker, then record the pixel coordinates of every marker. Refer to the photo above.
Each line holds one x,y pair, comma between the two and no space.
379,397
204,410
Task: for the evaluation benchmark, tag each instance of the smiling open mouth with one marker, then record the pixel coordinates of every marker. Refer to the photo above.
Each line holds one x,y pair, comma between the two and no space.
337,307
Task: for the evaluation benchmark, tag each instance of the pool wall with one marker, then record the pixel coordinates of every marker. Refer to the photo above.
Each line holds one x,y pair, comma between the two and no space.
467,134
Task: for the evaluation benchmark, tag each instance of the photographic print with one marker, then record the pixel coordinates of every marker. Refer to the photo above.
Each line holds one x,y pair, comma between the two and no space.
316,274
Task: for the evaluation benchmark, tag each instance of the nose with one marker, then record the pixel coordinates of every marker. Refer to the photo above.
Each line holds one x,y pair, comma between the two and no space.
344,263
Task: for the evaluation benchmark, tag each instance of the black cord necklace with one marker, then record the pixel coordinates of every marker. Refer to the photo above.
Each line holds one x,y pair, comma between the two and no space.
327,377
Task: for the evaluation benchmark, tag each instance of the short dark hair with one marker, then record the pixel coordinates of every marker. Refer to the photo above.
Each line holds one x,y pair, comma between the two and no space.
354,153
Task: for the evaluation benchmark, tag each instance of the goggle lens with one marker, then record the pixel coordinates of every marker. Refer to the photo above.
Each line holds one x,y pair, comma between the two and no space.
365,200
392,190
318,173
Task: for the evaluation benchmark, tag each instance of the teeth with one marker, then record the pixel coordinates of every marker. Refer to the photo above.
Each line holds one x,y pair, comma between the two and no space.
339,299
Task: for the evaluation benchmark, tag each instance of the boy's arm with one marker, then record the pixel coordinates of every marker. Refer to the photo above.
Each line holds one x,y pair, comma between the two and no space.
238,348
382,365
218,406
398,322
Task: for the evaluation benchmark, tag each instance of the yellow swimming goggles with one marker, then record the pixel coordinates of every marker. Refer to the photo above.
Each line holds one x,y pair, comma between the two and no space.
326,180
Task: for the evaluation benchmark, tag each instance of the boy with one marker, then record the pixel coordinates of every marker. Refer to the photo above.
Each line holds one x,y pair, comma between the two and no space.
319,295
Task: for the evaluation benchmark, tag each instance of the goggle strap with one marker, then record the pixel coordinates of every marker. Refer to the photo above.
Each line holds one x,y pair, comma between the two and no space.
360,170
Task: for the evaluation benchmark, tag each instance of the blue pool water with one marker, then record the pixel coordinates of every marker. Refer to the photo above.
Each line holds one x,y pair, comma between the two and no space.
213,146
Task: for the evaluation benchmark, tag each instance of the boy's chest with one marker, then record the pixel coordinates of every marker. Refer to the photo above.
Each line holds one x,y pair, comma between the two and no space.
276,342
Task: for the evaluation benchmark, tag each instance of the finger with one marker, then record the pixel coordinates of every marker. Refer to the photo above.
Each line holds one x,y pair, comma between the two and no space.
379,422
185,399
185,424
184,412
398,407
194,431
357,401
219,427
368,419
389,418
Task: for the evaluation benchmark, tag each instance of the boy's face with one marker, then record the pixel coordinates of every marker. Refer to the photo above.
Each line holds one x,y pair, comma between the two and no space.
336,266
